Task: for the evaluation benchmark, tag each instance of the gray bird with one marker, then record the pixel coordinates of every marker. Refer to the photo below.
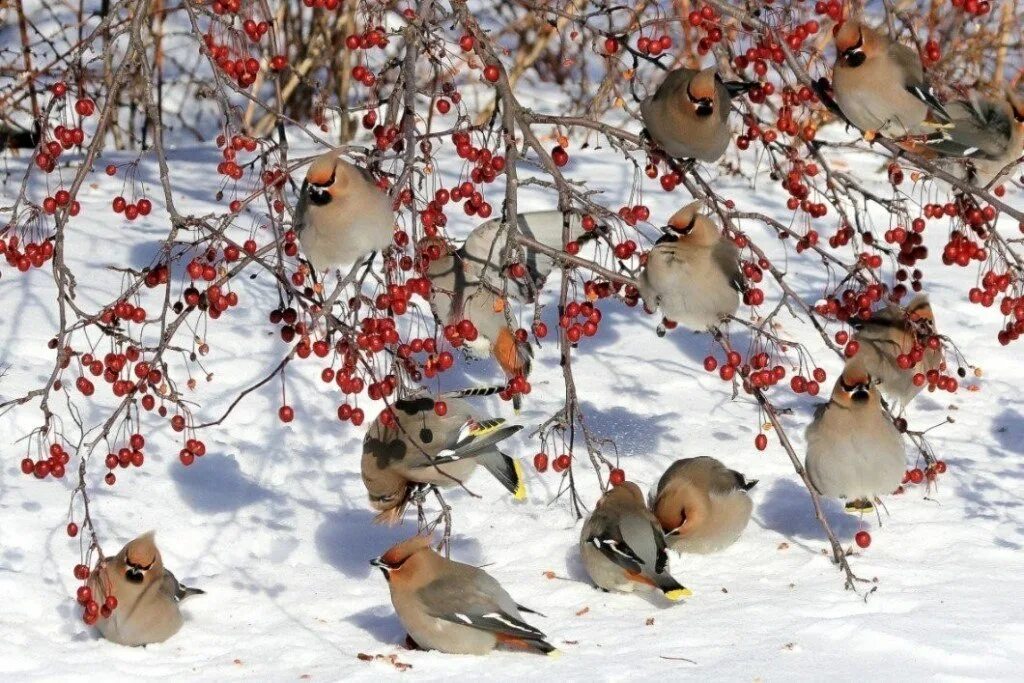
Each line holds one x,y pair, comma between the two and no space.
454,607
701,505
688,115
853,450
148,595
879,84
342,215
421,447
692,273
987,135
623,546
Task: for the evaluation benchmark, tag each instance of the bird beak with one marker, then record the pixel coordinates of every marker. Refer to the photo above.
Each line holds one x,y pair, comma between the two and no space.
674,532
861,394
704,107
383,566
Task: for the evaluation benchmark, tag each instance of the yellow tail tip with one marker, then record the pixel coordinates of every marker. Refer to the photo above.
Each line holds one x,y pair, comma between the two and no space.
678,594
520,493
555,654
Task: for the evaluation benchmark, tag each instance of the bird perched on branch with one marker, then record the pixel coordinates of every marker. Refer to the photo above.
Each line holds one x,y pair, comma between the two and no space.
455,302
895,345
701,505
692,273
147,595
342,215
879,84
688,115
853,450
623,546
454,607
420,441
987,135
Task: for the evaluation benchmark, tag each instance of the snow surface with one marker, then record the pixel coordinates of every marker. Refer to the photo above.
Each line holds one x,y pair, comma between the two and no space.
274,525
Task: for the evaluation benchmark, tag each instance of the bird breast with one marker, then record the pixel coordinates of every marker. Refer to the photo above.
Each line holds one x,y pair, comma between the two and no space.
854,453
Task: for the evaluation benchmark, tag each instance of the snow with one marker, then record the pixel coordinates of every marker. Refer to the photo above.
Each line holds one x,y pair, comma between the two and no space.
273,522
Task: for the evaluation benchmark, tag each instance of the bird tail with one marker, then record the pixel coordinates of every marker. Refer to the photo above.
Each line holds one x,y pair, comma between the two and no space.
475,391
520,643
672,589
507,471
185,592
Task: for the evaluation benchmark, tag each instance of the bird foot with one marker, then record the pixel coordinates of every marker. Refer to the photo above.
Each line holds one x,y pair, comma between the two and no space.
870,135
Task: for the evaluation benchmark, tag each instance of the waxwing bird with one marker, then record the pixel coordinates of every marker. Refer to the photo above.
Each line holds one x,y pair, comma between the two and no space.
693,272
879,84
148,595
417,446
342,215
623,546
853,449
894,347
688,115
454,607
455,298
701,505
987,136
483,251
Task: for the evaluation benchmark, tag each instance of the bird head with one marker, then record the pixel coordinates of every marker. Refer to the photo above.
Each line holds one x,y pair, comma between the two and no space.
141,560
919,312
627,491
388,494
326,179
692,227
854,387
680,507
701,91
397,557
855,42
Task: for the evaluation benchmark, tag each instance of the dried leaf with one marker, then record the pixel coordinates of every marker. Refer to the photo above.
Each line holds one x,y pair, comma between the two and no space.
583,611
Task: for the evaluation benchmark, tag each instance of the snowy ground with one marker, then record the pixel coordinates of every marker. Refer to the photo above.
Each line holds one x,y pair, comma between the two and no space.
273,522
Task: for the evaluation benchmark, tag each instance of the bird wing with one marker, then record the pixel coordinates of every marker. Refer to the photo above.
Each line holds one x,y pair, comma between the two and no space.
727,256
820,410
171,587
606,535
299,220
909,63
980,129
475,437
471,597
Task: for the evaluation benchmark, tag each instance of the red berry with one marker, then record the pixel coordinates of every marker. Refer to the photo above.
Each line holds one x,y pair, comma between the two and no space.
492,73
863,539
616,477
286,413
540,462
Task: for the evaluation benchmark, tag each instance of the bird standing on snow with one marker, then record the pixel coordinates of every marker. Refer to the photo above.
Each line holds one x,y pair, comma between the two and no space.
692,273
879,84
987,135
702,505
888,337
342,214
147,595
853,449
623,546
419,446
688,115
454,607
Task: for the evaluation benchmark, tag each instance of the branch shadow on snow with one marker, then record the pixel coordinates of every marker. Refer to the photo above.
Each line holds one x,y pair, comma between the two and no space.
348,539
1008,430
786,508
216,483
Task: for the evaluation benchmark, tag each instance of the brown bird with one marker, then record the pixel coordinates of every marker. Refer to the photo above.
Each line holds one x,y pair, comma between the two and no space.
879,84
986,137
623,546
148,595
693,272
342,215
853,449
702,505
894,347
455,299
688,115
454,607
420,447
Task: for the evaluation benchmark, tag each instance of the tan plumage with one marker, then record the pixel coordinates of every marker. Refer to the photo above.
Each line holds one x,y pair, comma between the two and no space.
342,215
623,546
455,298
702,505
692,274
147,595
421,447
879,84
454,607
688,115
853,449
889,333
987,136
